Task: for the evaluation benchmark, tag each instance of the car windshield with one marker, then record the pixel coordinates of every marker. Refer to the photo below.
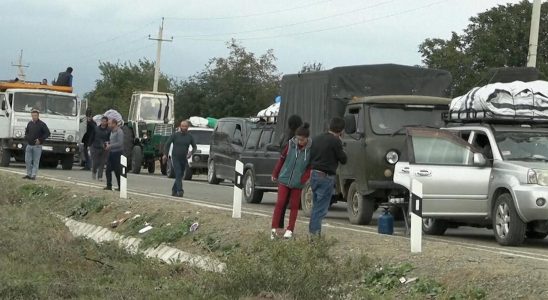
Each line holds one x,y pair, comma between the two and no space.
519,145
201,137
392,119
152,108
45,104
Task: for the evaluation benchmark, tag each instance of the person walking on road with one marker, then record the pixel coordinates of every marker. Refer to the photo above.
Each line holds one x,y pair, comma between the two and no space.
326,154
181,140
98,149
87,140
115,147
291,172
35,135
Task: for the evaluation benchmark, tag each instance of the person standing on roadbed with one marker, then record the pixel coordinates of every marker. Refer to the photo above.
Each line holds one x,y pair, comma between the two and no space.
181,140
35,135
98,149
87,140
293,123
115,147
326,154
291,172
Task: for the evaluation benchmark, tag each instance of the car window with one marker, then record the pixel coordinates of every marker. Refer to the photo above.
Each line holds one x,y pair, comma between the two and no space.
359,117
237,137
481,141
437,150
253,139
266,138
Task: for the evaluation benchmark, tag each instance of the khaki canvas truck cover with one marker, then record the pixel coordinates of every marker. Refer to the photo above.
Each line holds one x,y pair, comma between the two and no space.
319,96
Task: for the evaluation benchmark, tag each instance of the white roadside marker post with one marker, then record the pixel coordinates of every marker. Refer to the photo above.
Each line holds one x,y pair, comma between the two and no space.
238,184
123,177
416,216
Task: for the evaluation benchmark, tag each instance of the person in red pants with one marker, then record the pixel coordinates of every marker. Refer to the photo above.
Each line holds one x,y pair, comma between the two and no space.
291,172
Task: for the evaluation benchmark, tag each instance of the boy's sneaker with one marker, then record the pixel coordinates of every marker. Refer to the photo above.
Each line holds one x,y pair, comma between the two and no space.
288,234
273,234
108,188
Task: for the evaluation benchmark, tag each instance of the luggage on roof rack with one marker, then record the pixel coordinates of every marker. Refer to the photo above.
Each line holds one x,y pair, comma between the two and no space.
515,101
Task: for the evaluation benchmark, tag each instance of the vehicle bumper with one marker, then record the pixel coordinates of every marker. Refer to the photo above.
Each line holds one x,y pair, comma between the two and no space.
48,146
526,197
198,161
384,185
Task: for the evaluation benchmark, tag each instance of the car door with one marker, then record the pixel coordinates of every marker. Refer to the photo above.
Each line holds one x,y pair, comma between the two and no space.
235,149
249,154
454,174
266,159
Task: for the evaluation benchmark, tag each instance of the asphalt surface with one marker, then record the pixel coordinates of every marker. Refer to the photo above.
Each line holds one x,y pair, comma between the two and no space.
221,195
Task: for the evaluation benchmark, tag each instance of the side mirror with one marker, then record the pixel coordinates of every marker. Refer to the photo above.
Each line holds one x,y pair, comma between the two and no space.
350,124
479,160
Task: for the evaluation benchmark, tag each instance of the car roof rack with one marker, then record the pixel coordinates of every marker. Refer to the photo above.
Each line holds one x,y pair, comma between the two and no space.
475,116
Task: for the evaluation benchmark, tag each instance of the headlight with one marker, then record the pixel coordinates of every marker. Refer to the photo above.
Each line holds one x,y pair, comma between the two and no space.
537,176
145,136
18,134
70,138
196,158
392,157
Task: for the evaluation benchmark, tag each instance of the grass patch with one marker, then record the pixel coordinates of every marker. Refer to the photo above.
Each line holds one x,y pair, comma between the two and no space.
167,233
88,205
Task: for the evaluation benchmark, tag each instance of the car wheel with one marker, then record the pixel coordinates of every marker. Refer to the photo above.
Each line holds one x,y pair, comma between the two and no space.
136,160
67,162
188,173
251,195
169,169
360,209
307,200
211,175
434,227
536,235
5,157
508,227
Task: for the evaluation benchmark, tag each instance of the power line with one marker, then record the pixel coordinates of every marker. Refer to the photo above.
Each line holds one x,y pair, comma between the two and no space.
292,24
251,15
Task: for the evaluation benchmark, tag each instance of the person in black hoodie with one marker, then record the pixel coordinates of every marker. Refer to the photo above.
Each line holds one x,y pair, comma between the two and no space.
35,135
87,140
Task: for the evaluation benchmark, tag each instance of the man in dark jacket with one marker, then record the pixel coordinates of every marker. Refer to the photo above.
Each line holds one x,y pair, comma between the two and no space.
325,155
64,78
181,140
87,140
35,135
98,149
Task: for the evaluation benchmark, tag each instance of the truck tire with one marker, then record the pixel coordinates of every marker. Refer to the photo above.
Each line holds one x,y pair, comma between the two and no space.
534,235
169,169
5,157
509,229
151,166
360,209
306,200
212,174
434,227
136,159
251,194
188,173
67,162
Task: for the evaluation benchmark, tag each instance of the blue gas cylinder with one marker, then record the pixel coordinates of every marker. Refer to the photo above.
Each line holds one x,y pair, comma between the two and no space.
386,223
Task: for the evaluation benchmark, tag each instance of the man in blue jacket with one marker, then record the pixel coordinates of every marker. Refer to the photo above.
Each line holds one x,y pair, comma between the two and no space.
35,135
181,140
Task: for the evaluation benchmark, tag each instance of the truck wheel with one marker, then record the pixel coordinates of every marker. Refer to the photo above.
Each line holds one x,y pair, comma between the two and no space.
536,235
67,162
163,167
360,209
251,194
151,166
306,200
188,173
136,159
169,169
211,174
434,227
508,227
5,156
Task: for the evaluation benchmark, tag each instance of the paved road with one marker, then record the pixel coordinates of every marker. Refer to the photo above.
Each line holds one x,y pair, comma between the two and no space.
221,195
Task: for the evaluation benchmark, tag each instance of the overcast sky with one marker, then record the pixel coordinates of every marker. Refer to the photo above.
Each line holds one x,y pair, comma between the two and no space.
55,34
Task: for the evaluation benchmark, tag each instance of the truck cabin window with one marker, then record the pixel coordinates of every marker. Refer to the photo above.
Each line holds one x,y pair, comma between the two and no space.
392,119
46,104
152,109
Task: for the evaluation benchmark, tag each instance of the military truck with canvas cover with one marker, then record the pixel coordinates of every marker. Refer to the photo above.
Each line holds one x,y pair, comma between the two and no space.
377,102
59,109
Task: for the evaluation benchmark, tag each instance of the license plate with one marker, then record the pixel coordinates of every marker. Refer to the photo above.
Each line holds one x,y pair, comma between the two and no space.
47,148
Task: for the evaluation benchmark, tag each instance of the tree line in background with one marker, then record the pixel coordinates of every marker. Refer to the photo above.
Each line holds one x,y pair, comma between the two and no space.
243,83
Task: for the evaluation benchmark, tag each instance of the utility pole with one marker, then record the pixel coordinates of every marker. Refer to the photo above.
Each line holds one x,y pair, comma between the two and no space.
533,34
158,54
20,67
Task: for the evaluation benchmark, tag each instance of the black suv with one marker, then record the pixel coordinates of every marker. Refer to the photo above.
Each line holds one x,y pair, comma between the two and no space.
259,160
227,144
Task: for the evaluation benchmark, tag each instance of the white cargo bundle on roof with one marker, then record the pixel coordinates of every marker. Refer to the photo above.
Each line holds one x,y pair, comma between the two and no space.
502,100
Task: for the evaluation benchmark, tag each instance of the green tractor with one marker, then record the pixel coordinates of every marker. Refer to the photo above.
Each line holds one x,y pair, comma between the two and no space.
150,124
